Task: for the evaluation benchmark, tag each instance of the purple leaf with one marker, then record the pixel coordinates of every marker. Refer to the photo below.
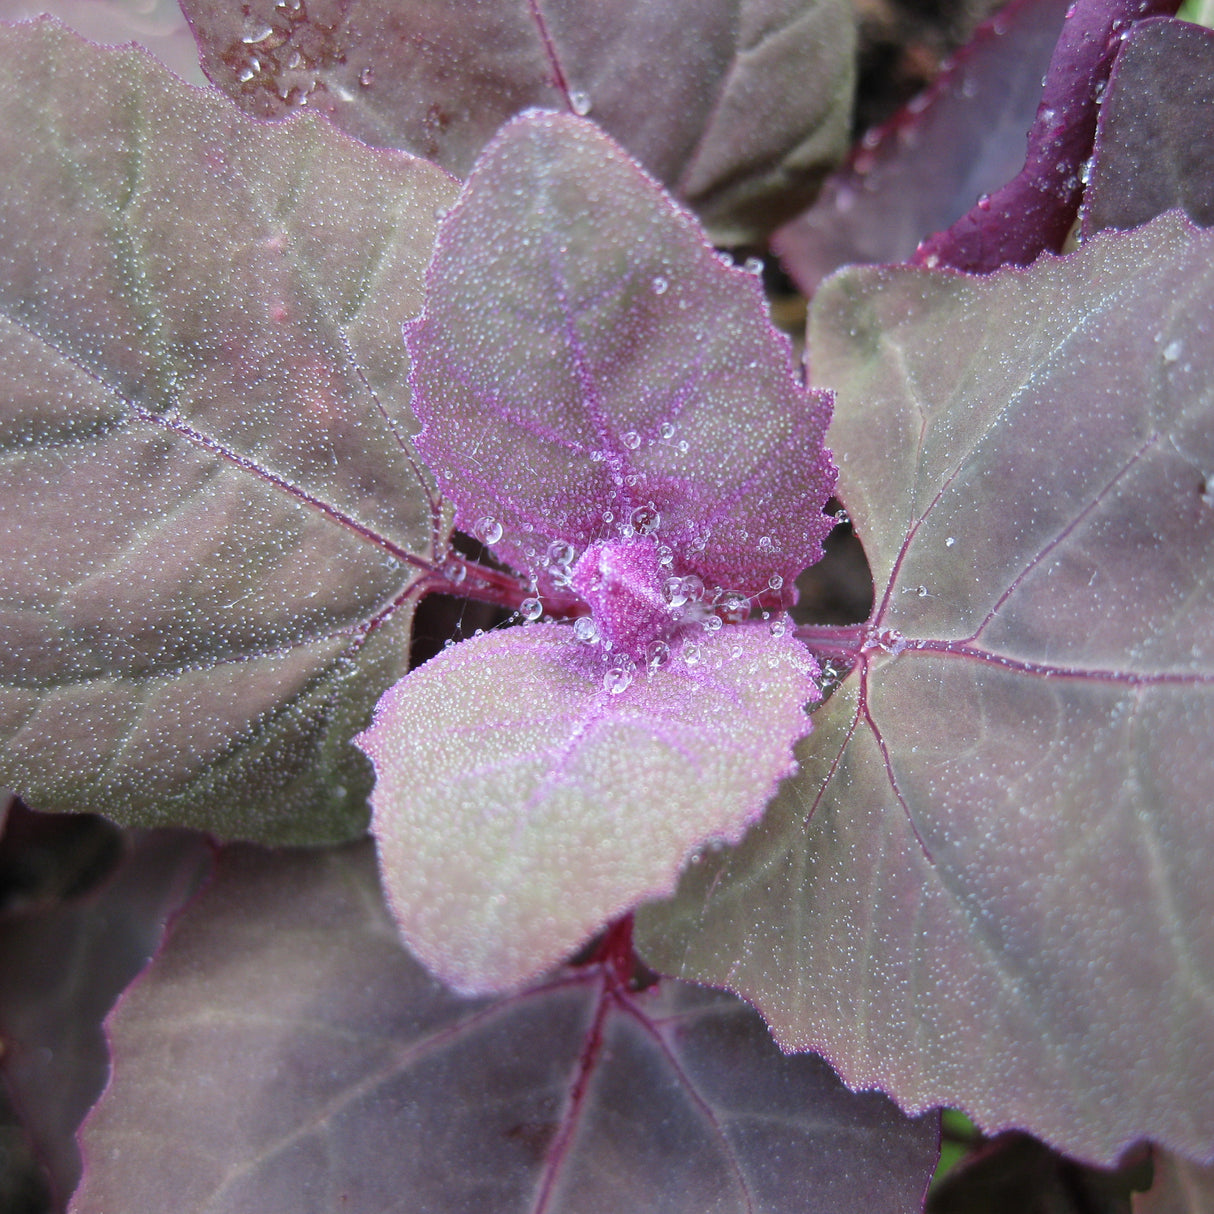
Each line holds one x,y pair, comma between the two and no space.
740,108
615,367
525,794
1035,211
962,138
157,25
314,1066
60,971
989,885
1155,141
1179,1187
207,512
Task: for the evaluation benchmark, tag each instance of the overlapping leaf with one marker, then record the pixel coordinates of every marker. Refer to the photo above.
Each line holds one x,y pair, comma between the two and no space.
520,805
740,108
1155,141
584,353
315,1066
989,884
1179,1187
61,968
917,174
204,505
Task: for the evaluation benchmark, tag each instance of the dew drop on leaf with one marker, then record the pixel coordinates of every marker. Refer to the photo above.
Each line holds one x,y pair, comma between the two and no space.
645,520
657,654
488,530
659,285
631,440
531,609
666,430
586,630
775,582
560,553
579,102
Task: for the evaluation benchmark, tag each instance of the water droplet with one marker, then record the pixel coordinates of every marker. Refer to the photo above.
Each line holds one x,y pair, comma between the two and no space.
691,653
753,265
984,202
454,570
560,553
684,446
665,556
579,102
608,516
488,530
531,609
726,259
766,544
631,440
1172,351
842,519
366,77
775,582
256,33
586,630
675,590
645,519
616,679
734,607
666,430
246,74
713,623
778,627
657,654
659,285
950,541
693,585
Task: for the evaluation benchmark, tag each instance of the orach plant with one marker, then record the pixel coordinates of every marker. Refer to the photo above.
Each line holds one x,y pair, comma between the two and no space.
691,896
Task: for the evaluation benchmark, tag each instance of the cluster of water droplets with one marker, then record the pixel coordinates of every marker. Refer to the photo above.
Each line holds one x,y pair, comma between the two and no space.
291,58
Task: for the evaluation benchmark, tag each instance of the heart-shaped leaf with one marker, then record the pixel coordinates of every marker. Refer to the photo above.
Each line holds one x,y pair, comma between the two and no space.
209,514
1155,142
739,107
311,1064
989,885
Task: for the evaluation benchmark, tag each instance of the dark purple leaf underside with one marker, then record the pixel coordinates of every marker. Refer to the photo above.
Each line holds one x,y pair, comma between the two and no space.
1155,139
738,107
205,507
989,885
157,25
316,1067
962,138
60,971
1179,1187
614,363
1034,212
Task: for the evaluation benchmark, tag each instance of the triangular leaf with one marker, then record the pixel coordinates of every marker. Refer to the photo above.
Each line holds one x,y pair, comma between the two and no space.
207,512
989,885
313,1065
